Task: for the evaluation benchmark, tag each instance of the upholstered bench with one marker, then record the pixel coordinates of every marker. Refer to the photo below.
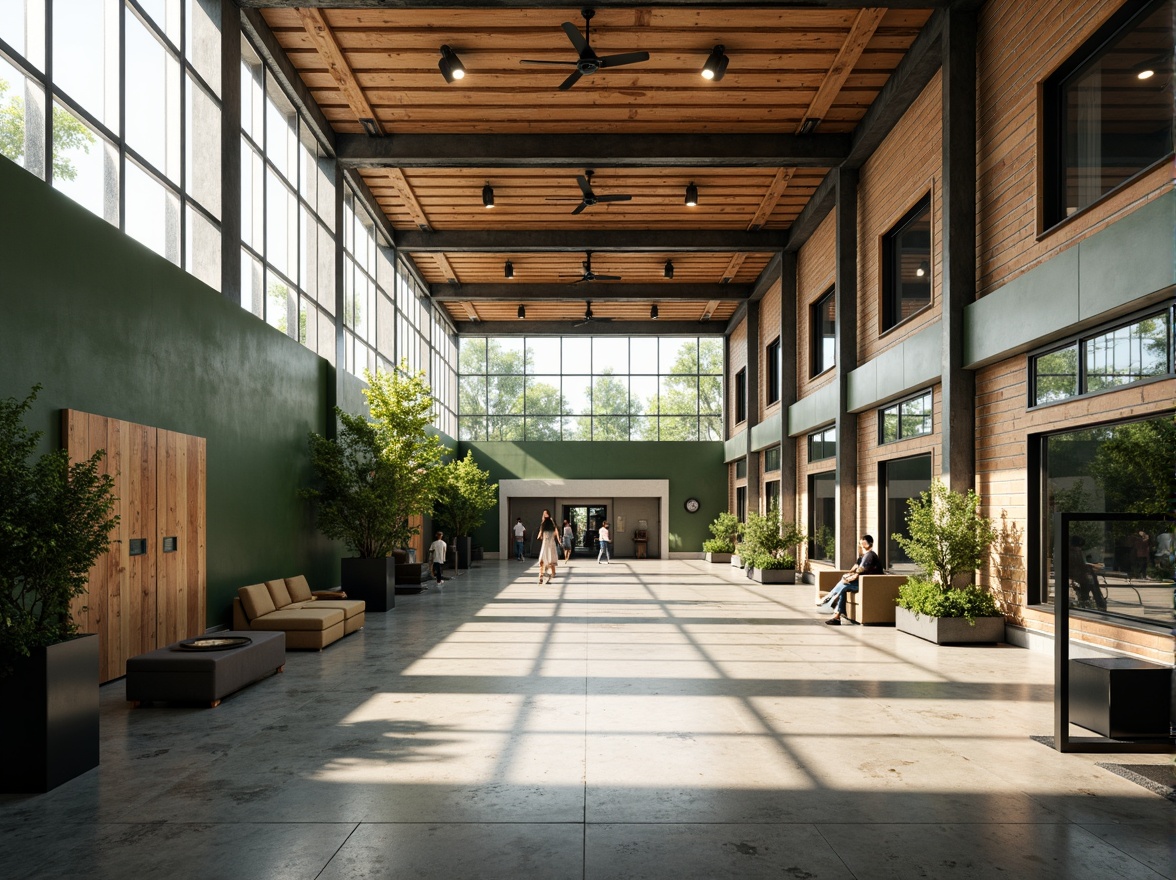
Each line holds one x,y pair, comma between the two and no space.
173,674
873,603
309,620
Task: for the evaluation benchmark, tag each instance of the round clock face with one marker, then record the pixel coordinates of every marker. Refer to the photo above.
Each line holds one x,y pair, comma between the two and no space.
692,505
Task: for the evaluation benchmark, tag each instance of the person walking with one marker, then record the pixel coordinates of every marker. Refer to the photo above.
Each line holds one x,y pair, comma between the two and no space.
520,536
437,556
548,549
605,544
567,541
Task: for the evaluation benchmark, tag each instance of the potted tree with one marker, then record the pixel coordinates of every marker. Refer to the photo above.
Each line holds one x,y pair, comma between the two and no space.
55,521
949,540
767,549
726,529
373,477
464,494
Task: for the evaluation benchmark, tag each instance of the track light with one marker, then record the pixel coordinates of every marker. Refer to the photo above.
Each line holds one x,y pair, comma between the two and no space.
450,65
669,270
508,269
487,196
691,195
522,309
922,270
653,312
716,64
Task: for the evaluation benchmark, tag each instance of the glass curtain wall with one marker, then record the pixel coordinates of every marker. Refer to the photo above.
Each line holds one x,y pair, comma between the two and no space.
129,123
591,388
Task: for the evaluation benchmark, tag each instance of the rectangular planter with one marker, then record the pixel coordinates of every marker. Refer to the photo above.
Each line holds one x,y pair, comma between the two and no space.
950,630
772,575
50,730
1121,697
718,557
736,562
372,580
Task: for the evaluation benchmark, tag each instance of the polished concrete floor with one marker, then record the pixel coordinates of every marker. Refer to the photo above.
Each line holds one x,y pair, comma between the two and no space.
647,719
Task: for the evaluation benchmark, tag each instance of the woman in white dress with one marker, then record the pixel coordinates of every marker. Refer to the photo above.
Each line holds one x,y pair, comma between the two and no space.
548,548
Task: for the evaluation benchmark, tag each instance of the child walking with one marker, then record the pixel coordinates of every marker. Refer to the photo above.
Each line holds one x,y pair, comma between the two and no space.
437,556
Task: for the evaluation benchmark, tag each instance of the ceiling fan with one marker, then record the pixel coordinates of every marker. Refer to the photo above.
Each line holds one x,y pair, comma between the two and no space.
589,197
588,62
589,275
589,318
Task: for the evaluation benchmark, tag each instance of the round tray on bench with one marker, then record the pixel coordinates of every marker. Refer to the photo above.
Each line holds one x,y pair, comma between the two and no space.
214,643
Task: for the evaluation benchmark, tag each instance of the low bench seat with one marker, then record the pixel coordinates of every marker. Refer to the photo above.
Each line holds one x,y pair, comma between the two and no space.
288,605
172,674
873,603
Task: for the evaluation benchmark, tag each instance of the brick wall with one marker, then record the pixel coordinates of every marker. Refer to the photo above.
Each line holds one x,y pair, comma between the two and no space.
815,266
738,349
905,168
1018,46
769,330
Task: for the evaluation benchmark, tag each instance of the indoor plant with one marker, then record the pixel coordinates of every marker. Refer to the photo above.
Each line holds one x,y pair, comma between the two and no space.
464,494
726,529
55,521
373,477
767,549
949,540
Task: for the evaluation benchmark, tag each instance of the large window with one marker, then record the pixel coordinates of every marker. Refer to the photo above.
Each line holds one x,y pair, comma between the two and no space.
1123,468
772,367
771,459
1108,109
822,444
823,320
591,388
771,495
900,481
906,419
1140,349
741,396
906,266
822,499
741,503
129,124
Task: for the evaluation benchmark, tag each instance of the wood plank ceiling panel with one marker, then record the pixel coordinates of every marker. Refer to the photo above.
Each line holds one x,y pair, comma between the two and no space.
573,311
562,268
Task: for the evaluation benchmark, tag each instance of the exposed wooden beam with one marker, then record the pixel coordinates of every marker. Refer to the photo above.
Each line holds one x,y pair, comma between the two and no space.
862,30
710,309
771,198
404,190
323,38
446,269
733,267
569,240
592,328
591,150
470,311
602,292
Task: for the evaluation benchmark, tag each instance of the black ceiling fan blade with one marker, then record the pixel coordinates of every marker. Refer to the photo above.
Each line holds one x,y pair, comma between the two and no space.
570,81
580,207
575,36
585,186
624,58
556,63
614,198
607,278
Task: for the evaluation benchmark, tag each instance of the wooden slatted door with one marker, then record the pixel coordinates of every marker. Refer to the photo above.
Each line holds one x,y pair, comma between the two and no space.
141,601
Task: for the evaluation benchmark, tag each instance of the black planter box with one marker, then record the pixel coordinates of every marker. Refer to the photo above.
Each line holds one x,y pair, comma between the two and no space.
1120,697
464,551
372,580
49,733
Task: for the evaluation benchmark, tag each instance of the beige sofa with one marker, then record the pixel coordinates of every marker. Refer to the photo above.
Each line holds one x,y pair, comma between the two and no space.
309,620
873,603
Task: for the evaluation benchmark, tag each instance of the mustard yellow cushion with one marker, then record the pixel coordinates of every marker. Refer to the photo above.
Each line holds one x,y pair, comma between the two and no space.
256,601
299,589
278,592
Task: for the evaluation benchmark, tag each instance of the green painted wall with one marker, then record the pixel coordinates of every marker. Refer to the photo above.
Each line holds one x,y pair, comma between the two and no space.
693,469
109,327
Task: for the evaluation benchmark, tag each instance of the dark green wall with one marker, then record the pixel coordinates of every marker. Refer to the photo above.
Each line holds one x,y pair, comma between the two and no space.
695,470
109,327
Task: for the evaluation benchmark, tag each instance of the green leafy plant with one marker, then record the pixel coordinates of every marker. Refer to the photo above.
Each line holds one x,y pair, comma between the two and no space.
764,540
464,494
726,529
717,545
55,521
378,473
949,539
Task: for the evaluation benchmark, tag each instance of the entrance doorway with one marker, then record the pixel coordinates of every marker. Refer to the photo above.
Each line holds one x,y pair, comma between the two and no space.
585,520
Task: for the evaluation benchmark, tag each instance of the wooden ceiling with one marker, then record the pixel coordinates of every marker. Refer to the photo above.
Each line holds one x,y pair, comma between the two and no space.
787,65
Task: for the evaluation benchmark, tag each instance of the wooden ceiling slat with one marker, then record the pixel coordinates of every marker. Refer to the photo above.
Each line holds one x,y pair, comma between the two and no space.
866,23
446,269
404,189
324,40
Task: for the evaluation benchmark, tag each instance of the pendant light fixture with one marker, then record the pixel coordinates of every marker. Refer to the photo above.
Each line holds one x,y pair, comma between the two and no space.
522,312
487,196
668,271
715,67
653,312
691,195
508,269
450,65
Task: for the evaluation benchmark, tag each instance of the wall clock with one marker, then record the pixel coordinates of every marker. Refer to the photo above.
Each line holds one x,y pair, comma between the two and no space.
692,505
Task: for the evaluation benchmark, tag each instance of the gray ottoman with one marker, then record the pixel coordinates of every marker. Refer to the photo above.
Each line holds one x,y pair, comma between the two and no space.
175,674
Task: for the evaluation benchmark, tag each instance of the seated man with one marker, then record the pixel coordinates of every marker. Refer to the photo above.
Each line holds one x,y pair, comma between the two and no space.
867,563
1083,577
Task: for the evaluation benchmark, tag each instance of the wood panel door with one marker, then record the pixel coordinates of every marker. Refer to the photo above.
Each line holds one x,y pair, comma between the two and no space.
138,601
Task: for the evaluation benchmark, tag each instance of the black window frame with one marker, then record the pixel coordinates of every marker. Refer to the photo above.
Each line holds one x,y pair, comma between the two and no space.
741,396
817,364
771,493
823,442
827,477
1080,340
886,528
771,458
892,266
1053,123
741,503
772,367
898,405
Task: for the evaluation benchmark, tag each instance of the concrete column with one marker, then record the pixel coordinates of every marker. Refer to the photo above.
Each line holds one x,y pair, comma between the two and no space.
753,404
958,388
845,353
230,151
789,346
